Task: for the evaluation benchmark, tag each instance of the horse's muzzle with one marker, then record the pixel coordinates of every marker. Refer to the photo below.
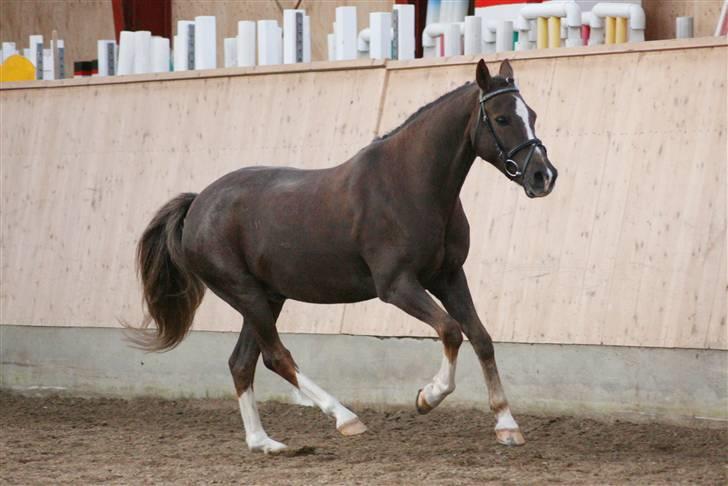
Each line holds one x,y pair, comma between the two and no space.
541,182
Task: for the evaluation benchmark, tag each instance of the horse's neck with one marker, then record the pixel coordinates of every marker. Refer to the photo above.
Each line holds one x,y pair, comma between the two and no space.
435,150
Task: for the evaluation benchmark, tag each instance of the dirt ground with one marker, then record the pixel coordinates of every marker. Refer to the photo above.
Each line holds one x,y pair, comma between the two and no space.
85,441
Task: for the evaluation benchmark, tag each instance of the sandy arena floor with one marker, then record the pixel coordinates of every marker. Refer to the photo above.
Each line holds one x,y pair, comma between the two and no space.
85,441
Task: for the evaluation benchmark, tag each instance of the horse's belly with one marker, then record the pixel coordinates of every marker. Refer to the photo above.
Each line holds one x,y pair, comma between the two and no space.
322,278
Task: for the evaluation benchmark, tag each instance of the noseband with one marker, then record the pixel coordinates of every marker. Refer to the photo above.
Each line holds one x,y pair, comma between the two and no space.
511,166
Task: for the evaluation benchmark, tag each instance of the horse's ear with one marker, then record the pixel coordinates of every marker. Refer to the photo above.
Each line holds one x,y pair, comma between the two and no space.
482,75
506,71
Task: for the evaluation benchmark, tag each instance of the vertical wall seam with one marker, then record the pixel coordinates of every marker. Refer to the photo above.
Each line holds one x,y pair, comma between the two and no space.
382,100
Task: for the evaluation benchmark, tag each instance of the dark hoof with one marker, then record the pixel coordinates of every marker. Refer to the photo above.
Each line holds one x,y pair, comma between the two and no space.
421,405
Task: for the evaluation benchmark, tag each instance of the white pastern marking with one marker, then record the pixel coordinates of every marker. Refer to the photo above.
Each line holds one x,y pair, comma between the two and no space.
255,436
299,398
328,404
505,420
442,384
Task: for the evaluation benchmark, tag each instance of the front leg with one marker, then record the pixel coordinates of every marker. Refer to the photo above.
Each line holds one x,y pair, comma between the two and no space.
453,292
406,292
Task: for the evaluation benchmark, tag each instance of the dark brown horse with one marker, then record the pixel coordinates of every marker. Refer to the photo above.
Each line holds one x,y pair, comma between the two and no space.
387,223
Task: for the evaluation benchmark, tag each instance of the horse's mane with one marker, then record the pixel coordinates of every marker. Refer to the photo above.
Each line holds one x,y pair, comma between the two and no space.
497,83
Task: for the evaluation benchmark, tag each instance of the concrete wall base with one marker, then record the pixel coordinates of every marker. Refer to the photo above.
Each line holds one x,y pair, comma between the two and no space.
671,385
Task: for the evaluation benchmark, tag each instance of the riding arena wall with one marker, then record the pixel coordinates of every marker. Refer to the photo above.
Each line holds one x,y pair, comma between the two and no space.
624,263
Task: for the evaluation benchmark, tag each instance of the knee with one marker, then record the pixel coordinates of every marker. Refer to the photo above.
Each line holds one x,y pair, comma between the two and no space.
451,336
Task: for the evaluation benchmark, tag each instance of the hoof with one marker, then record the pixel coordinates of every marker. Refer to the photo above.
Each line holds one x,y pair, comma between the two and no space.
267,446
509,437
421,405
352,427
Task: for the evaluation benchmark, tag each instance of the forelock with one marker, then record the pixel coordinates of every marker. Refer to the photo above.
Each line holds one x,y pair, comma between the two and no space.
499,82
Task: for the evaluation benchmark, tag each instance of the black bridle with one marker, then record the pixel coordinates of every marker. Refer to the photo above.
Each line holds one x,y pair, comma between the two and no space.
510,166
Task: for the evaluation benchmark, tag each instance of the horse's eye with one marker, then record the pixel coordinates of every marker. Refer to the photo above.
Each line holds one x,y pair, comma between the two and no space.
502,120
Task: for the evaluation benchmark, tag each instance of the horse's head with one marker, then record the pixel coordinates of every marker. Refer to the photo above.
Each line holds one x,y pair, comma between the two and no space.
504,133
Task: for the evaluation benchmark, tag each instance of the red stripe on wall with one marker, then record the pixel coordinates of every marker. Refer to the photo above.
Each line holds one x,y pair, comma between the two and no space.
492,3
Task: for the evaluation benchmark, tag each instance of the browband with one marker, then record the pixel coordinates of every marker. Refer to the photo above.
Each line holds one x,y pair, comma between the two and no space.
486,96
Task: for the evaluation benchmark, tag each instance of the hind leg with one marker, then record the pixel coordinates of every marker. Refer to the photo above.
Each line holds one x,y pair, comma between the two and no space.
260,316
347,423
242,367
278,359
258,336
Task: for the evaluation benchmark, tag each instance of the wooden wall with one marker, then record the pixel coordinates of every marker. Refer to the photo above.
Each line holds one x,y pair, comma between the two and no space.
80,23
629,250
661,15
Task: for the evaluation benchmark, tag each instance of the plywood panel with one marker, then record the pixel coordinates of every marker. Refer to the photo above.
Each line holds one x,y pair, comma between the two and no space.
78,190
661,15
80,23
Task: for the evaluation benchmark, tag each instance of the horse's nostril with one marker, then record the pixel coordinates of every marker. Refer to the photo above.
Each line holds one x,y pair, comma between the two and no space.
539,182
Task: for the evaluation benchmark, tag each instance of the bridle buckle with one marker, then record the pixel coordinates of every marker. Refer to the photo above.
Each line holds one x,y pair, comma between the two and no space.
511,168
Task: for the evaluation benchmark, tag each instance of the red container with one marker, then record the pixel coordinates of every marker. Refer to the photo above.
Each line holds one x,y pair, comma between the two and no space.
585,33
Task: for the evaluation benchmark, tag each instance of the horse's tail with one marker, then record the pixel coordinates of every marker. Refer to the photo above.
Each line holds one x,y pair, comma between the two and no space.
171,291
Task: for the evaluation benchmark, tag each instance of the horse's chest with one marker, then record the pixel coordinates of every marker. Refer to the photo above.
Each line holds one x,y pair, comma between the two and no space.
430,250
451,251
447,256
436,261
439,246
